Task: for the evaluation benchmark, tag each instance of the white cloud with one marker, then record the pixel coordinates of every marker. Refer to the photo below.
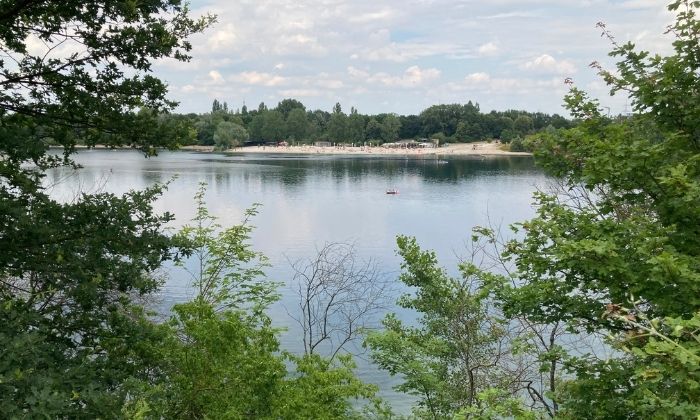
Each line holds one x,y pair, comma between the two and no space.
223,38
640,36
484,82
259,79
509,15
545,63
299,43
330,84
402,52
357,73
379,15
488,49
300,93
60,49
413,76
411,53
216,77
480,78
642,4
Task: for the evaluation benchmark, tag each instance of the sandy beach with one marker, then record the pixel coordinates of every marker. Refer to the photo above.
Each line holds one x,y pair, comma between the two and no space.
464,149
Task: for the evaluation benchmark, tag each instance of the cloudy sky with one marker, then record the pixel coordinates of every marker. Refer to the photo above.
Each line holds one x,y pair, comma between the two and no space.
403,56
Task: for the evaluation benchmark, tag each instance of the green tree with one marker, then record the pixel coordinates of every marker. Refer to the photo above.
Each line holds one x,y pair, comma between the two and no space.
221,355
410,127
318,123
462,132
218,107
623,228
272,126
297,125
458,350
441,119
390,128
517,145
337,130
228,135
221,358
523,125
72,341
356,127
286,106
374,130
255,128
267,126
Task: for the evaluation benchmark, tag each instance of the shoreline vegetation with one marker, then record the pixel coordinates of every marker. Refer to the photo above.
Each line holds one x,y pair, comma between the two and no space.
461,149
588,309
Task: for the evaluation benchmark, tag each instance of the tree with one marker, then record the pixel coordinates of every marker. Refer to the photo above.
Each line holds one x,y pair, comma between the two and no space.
338,126
517,145
228,135
286,106
441,119
272,126
390,128
622,232
267,126
356,127
87,90
69,271
523,125
339,295
462,132
218,107
410,127
318,123
255,128
221,356
460,348
297,124
374,129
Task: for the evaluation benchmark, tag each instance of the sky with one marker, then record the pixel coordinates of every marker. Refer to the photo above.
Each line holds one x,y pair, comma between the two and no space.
404,56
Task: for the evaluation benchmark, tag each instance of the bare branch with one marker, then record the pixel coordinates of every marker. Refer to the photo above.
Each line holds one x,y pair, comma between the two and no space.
340,297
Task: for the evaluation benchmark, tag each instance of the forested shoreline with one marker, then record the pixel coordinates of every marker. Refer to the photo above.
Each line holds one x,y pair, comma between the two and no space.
612,253
290,121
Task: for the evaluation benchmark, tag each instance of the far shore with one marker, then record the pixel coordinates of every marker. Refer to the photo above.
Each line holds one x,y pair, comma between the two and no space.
461,149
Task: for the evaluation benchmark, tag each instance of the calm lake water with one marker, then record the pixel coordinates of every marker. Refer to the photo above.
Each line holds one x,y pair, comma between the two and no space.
308,201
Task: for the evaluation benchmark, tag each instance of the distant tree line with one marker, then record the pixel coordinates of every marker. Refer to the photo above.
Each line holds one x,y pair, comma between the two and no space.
291,121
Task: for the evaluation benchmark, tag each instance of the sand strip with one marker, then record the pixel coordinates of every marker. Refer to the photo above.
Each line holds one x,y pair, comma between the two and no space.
464,149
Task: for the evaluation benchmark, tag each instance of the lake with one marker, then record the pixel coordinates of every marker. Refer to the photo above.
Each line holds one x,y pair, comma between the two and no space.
307,201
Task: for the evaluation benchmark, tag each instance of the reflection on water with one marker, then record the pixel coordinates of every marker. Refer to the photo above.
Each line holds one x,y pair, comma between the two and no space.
310,200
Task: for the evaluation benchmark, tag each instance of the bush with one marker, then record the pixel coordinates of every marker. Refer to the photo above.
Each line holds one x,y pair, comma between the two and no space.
517,145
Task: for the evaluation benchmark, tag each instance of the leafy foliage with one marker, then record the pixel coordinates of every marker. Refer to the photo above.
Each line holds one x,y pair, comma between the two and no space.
458,352
74,338
73,343
220,356
622,227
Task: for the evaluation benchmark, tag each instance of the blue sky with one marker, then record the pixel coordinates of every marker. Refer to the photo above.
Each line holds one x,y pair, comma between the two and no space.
403,56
